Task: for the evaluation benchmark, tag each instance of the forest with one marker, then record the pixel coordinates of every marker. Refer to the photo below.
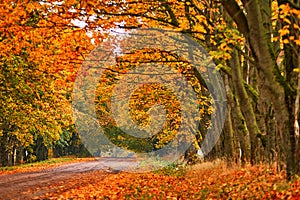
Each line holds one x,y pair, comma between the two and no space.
46,58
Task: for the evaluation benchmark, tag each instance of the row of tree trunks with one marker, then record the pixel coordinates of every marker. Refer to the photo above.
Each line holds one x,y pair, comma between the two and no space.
13,153
11,158
276,100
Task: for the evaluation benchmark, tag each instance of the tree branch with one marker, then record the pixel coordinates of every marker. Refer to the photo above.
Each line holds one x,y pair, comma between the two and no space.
290,2
236,13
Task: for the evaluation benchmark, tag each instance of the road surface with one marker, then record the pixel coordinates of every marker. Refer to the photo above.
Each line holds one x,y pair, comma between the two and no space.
14,186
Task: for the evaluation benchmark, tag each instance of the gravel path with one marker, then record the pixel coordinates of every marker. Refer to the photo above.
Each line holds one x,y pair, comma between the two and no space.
13,186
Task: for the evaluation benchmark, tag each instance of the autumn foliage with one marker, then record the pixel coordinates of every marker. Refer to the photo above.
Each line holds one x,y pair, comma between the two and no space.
204,181
254,44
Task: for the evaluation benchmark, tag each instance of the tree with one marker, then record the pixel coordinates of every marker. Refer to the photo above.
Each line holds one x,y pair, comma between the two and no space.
278,87
34,100
254,44
249,51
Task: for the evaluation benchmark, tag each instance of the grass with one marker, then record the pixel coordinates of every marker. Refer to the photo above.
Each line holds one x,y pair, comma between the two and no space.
44,162
172,169
41,165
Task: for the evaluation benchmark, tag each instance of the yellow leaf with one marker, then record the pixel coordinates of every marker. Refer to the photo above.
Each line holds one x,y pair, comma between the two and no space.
286,41
275,39
297,41
287,20
296,70
283,32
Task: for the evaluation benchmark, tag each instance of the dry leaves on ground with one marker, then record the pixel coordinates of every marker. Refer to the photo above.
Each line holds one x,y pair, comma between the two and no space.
206,181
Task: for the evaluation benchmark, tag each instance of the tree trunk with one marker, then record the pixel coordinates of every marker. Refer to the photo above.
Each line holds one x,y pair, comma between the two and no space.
272,89
228,127
243,150
246,107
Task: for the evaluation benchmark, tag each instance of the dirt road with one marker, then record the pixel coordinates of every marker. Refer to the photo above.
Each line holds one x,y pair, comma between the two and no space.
14,186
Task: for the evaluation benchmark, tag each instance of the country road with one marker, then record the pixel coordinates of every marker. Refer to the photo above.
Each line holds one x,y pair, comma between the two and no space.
14,186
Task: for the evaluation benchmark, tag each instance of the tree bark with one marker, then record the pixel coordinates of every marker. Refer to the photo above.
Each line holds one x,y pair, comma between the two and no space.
244,100
272,88
228,128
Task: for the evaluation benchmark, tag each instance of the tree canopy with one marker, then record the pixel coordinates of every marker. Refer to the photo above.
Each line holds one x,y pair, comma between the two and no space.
254,44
